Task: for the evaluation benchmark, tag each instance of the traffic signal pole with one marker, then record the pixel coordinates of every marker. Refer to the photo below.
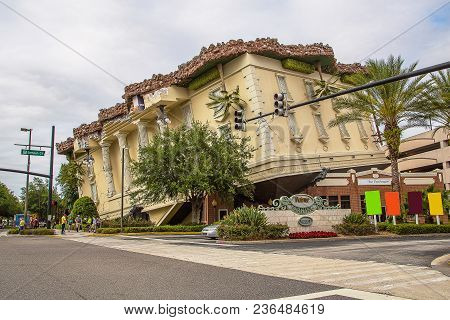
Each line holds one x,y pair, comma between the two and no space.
28,176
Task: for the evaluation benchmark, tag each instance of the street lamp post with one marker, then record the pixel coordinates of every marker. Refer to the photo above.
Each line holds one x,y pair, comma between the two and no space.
28,175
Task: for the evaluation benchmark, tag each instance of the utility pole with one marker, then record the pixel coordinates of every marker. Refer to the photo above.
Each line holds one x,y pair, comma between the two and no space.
50,180
28,175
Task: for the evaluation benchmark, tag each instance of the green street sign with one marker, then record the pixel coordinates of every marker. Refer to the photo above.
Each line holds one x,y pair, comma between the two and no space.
27,152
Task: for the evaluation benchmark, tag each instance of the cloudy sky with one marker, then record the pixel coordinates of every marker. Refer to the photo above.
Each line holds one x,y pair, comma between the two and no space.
43,83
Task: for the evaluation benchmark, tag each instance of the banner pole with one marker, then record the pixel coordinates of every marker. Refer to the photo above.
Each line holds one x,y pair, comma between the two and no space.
375,221
417,218
393,220
438,220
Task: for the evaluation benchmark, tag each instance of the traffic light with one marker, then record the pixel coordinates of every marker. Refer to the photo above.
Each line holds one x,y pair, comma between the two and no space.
280,104
239,122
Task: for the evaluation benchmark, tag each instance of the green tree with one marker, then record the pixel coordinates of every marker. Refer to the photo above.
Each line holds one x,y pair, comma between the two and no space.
9,204
439,95
69,179
190,163
38,197
85,208
392,106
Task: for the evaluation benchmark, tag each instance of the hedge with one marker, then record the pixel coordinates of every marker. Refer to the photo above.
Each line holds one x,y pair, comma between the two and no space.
246,232
34,232
298,66
204,78
165,228
355,229
410,228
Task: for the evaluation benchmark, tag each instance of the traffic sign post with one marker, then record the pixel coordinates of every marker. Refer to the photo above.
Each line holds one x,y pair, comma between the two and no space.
29,152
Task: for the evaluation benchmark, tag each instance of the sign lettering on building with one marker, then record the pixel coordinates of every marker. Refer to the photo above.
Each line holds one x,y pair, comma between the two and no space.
375,182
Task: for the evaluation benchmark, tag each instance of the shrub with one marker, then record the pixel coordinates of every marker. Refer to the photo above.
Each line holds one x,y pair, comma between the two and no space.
298,66
355,229
246,232
409,228
355,224
204,78
382,226
85,208
165,228
13,231
249,216
128,221
312,234
34,232
356,218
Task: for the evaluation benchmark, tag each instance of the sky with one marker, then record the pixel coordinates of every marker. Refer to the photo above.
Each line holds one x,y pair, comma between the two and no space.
43,83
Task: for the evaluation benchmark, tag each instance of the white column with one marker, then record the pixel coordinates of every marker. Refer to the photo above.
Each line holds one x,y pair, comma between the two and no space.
123,143
143,133
107,168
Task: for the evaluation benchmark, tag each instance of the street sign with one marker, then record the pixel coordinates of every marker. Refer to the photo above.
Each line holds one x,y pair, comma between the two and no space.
29,152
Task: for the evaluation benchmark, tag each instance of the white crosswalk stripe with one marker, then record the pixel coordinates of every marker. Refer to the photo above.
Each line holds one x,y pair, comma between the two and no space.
386,278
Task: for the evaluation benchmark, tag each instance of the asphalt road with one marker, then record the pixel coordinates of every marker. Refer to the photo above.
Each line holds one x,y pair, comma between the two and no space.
51,268
408,250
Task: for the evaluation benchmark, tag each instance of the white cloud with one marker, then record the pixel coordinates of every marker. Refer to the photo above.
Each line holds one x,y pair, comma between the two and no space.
43,83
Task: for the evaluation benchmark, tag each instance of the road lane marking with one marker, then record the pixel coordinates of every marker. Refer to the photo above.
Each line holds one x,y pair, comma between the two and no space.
349,293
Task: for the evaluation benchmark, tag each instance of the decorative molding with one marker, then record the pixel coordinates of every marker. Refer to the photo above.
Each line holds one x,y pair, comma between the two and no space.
300,204
107,168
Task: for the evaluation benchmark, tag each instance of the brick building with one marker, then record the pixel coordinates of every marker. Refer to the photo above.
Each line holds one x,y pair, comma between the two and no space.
347,189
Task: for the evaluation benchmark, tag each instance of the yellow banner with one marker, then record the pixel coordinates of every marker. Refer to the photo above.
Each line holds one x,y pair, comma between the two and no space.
435,202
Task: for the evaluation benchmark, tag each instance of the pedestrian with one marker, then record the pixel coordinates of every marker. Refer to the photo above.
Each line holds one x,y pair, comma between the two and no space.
89,223
63,224
94,225
21,225
78,225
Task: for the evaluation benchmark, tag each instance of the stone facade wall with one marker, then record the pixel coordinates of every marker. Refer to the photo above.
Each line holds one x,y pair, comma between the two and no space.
323,220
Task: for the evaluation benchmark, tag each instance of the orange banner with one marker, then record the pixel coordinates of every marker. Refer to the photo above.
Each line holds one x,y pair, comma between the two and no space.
392,200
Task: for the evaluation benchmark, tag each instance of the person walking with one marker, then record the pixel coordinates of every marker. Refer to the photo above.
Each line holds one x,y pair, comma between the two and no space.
21,225
79,223
94,225
89,222
63,224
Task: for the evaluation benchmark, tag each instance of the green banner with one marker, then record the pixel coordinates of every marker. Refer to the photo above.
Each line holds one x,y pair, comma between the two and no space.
373,202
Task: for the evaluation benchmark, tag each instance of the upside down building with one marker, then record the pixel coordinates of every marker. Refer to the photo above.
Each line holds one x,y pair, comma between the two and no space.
289,151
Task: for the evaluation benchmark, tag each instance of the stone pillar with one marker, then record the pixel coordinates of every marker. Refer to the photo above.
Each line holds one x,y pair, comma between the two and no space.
143,134
92,182
107,169
123,143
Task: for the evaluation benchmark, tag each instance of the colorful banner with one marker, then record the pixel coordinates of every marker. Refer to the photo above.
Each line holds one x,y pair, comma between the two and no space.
435,203
392,200
373,202
415,202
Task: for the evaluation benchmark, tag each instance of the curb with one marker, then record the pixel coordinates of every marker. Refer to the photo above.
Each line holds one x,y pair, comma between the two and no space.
442,264
339,237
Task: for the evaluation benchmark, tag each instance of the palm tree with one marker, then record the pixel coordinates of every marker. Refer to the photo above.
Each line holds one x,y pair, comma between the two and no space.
222,101
439,94
393,107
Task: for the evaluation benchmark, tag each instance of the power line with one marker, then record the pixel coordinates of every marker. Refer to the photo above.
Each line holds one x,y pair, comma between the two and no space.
405,31
63,43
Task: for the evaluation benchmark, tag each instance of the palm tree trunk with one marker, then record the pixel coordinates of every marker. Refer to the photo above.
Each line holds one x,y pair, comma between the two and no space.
392,134
395,172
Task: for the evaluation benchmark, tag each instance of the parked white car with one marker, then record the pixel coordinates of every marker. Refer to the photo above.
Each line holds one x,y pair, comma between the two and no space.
210,231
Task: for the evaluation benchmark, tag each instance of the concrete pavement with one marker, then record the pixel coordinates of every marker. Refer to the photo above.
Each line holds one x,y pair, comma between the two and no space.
402,280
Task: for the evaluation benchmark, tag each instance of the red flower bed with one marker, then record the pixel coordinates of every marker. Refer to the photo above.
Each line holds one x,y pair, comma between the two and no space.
312,234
